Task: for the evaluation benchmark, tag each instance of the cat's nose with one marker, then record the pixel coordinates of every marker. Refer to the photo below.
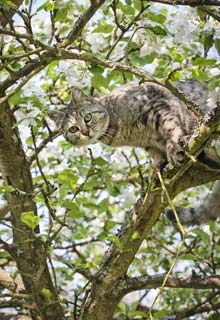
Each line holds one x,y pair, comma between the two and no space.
86,132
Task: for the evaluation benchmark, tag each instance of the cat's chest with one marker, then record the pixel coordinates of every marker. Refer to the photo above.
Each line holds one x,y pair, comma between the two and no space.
138,137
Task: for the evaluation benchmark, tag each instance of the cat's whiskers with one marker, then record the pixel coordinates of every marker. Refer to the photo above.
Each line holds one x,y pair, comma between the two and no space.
107,135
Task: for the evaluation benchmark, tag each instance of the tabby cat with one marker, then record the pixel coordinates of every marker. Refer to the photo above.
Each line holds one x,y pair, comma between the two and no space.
143,115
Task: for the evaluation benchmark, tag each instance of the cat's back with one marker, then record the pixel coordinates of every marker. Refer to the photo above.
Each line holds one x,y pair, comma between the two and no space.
135,96
195,92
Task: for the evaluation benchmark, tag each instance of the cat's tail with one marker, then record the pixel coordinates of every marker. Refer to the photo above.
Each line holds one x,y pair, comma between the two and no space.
208,210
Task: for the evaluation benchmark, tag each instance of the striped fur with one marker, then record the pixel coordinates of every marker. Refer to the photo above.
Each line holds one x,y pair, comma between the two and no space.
141,115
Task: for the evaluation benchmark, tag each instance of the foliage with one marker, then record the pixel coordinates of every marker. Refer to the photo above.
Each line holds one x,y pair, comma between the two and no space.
84,195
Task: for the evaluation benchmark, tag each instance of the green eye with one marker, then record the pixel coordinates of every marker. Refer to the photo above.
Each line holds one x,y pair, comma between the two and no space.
73,129
88,117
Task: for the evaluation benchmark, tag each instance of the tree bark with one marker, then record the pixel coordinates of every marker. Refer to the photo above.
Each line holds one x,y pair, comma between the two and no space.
28,251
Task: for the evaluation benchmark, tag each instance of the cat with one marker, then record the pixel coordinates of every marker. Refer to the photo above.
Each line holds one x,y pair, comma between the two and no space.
143,115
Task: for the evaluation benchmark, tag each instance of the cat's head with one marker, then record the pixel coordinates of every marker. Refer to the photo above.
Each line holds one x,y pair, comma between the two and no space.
84,121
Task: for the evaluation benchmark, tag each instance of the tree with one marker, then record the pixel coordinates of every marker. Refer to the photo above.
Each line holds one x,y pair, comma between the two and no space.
80,227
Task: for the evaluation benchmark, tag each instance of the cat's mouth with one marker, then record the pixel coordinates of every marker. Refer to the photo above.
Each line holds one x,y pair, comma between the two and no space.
88,137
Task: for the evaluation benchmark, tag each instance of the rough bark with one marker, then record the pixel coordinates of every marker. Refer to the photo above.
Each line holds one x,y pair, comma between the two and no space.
28,251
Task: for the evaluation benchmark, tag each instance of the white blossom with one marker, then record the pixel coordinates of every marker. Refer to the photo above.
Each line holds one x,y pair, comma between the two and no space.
97,42
76,73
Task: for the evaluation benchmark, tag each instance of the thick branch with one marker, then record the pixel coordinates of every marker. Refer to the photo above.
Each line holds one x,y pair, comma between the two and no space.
7,281
27,69
192,3
28,251
188,312
150,282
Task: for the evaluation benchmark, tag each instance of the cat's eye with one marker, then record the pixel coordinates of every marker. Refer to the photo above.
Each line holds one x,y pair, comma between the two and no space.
73,129
87,117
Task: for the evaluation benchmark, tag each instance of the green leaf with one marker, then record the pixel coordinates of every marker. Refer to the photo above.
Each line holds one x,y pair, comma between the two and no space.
61,14
109,184
214,83
141,61
47,6
160,314
206,38
46,293
200,75
158,30
103,205
114,239
104,28
136,235
177,75
68,177
203,62
188,256
204,236
99,81
122,308
30,219
82,233
6,188
51,69
94,69
7,4
217,45
76,212
110,224
100,161
91,183
160,18
126,9
137,4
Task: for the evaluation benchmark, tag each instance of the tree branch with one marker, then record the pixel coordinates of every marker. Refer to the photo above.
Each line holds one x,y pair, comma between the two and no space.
81,22
150,282
28,251
211,13
4,210
7,281
188,312
42,145
6,15
192,3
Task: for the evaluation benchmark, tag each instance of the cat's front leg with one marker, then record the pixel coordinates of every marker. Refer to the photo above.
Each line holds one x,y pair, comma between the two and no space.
176,149
159,158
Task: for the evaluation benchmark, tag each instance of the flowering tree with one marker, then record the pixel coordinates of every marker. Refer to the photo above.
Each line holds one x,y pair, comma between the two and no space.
80,233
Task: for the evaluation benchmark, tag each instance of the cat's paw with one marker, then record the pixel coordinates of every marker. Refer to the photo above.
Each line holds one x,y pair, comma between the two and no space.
176,151
175,154
183,142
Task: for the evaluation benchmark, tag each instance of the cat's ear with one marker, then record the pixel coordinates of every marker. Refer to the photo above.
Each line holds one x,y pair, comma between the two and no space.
78,96
57,116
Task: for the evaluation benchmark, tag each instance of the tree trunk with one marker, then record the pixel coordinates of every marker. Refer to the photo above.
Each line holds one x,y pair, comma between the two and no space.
28,250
